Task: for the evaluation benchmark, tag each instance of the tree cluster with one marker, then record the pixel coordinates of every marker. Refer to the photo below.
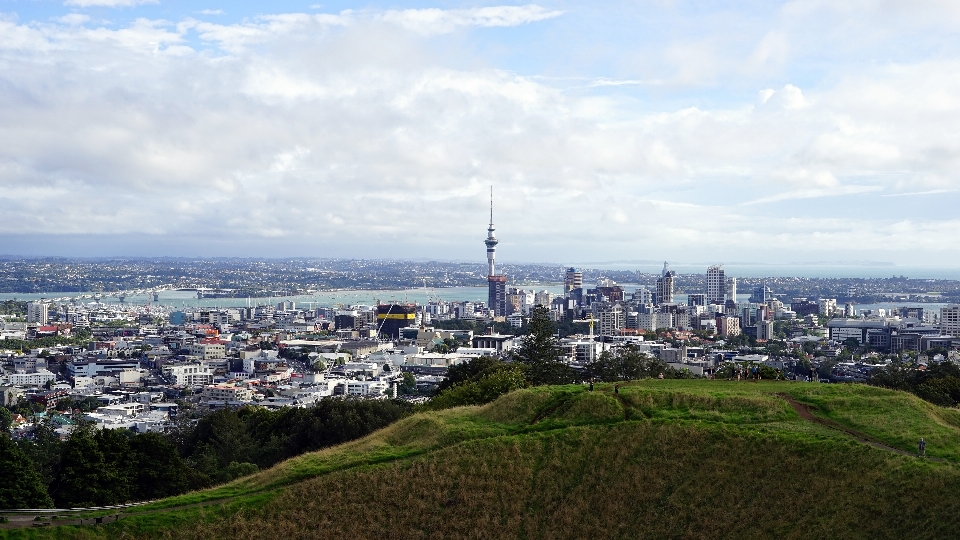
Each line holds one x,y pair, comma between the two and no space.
96,467
626,363
939,383
225,444
90,468
477,382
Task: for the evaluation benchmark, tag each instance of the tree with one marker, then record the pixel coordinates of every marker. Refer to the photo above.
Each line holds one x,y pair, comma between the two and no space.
473,370
43,451
625,364
82,478
157,469
22,486
487,388
539,352
6,420
409,384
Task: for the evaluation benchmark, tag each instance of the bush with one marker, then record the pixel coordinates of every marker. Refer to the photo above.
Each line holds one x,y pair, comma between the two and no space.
487,388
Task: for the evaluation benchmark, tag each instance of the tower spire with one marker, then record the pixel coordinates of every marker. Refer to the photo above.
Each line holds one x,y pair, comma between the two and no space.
491,240
491,206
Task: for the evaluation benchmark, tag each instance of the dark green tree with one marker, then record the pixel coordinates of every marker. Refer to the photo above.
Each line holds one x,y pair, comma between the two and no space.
409,384
22,486
470,371
624,364
43,450
539,352
158,470
82,478
6,420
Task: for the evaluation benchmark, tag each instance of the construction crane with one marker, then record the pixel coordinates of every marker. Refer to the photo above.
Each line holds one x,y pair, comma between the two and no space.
590,320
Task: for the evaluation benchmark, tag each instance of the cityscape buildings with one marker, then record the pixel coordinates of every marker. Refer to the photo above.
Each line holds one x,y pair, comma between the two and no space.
716,284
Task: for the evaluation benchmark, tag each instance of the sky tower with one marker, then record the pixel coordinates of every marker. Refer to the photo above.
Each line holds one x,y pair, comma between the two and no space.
496,285
491,240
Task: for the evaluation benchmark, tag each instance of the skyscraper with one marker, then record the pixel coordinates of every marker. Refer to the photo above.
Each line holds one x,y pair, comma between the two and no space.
37,313
716,284
732,289
496,285
573,279
664,291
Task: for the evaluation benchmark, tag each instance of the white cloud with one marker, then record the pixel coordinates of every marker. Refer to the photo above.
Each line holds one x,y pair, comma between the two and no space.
73,19
439,21
108,3
211,12
350,129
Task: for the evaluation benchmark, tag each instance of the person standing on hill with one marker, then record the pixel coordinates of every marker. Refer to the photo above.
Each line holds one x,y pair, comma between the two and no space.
591,386
616,389
922,452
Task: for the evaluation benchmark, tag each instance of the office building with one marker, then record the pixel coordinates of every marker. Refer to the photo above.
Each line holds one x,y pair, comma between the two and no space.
573,279
392,317
950,320
37,312
664,293
716,284
761,294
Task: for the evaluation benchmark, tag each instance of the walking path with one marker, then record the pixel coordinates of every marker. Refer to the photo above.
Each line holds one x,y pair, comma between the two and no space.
804,412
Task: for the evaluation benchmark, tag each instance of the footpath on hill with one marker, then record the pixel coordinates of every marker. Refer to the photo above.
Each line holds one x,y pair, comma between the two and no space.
805,413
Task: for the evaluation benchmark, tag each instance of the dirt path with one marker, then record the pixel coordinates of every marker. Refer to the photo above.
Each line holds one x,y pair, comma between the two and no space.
804,412
20,521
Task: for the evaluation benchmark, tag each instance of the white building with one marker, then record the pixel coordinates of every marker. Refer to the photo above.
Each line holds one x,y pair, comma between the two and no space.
37,312
195,374
950,320
827,306
38,378
716,284
612,319
367,388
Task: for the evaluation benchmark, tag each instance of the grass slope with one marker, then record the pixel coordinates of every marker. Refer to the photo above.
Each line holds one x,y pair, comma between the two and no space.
662,459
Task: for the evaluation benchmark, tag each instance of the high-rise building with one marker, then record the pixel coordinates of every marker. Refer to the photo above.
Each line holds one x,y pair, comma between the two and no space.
765,330
950,320
696,299
761,294
716,284
643,296
573,279
611,318
37,312
732,289
392,317
496,285
665,286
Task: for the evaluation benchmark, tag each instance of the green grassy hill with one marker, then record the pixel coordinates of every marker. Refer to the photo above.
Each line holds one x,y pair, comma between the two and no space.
663,459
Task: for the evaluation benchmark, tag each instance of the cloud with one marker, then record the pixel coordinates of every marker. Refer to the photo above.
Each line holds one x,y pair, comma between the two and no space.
73,19
439,21
353,133
108,3
814,193
211,12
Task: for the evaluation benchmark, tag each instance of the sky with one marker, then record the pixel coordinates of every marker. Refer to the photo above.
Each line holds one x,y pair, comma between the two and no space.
807,131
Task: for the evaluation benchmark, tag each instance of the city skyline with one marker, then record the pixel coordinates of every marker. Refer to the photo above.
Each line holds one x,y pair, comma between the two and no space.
798,131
